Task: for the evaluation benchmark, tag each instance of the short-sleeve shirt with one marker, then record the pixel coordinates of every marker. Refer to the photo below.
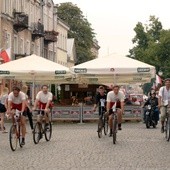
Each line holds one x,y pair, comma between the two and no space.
164,93
4,99
44,97
16,100
101,100
113,98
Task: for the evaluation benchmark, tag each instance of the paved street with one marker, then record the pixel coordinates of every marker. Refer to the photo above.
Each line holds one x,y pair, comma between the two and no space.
77,147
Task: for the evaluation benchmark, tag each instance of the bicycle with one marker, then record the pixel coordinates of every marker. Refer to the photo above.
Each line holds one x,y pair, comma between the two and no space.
41,128
102,124
15,131
114,124
167,124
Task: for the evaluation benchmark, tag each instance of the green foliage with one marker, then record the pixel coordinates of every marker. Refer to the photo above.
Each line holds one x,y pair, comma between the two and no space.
80,29
152,45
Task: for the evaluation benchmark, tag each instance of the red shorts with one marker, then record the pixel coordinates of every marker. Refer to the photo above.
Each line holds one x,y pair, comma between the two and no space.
17,106
43,105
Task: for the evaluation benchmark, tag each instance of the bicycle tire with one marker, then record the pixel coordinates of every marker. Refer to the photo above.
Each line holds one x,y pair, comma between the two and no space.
36,133
13,138
147,122
19,136
99,131
48,131
114,129
106,126
167,130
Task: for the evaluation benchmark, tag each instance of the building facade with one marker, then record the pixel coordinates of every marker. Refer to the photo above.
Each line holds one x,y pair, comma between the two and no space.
27,27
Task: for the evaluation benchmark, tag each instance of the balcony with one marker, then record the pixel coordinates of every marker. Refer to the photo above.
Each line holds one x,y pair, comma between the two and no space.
20,21
50,36
18,56
37,30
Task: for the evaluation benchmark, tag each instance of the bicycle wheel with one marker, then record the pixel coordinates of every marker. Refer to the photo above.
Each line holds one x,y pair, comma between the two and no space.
99,131
114,129
48,131
106,126
13,137
36,133
19,136
167,130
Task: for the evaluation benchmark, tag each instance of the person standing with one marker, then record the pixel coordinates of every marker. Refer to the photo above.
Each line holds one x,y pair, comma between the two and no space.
27,108
3,107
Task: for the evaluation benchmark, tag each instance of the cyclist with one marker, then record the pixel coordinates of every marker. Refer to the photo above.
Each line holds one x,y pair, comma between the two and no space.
17,100
115,97
43,101
101,101
164,96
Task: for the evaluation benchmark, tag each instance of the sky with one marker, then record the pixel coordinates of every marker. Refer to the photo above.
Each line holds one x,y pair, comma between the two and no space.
114,21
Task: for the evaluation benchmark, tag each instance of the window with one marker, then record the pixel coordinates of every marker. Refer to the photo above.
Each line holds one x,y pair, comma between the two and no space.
21,46
15,44
27,50
32,48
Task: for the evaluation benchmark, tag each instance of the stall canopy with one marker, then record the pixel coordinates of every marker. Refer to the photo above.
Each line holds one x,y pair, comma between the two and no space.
114,69
35,68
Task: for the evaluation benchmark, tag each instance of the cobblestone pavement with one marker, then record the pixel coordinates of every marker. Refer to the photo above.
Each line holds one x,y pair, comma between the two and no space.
77,147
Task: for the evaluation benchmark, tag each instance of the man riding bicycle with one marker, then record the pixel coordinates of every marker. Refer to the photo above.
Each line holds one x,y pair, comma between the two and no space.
16,100
100,101
43,101
164,95
115,97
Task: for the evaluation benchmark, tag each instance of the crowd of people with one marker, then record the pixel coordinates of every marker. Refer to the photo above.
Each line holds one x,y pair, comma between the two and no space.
18,99
158,100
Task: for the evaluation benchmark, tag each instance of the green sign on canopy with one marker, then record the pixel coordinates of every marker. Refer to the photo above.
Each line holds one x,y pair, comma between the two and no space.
4,72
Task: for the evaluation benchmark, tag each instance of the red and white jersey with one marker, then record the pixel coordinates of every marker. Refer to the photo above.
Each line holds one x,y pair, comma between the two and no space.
16,100
44,97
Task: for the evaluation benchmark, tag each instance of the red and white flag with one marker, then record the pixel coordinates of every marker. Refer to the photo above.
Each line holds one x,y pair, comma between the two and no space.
158,80
6,55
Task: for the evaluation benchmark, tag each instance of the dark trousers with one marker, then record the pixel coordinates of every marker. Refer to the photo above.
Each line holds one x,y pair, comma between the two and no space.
29,114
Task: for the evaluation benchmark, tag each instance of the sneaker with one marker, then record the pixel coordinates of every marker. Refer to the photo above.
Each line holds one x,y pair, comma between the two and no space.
162,129
23,142
119,128
110,134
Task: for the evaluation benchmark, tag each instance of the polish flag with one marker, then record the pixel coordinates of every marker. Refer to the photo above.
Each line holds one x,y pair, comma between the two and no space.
6,55
158,80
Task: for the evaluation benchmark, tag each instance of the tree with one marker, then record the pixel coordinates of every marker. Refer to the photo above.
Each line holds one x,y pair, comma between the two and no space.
152,45
80,29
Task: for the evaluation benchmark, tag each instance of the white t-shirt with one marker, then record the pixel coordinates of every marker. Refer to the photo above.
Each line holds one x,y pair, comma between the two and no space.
44,98
111,97
164,93
16,100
